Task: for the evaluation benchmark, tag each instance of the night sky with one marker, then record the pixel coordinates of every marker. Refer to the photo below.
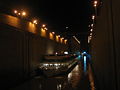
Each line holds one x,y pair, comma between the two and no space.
58,14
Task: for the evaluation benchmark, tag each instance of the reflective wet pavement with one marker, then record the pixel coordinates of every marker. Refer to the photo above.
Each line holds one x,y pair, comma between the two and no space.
78,79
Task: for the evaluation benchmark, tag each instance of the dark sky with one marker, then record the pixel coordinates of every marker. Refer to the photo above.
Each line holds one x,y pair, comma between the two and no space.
56,13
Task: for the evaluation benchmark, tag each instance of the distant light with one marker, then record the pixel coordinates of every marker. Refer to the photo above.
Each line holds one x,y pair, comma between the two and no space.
95,2
93,17
92,25
90,34
62,38
95,5
84,52
58,35
65,52
66,27
15,11
91,30
53,32
23,13
35,21
19,13
43,25
45,28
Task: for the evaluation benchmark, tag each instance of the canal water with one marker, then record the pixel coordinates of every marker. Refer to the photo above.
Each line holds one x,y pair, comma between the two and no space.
80,78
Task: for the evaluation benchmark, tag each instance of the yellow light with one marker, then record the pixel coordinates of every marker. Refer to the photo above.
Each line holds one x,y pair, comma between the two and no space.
35,21
15,11
51,36
95,5
45,28
19,13
43,32
43,25
65,41
23,13
95,2
57,38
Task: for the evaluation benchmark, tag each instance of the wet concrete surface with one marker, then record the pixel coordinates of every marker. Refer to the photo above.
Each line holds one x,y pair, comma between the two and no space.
77,79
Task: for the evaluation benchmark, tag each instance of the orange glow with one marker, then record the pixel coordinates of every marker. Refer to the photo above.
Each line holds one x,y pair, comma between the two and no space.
13,21
19,13
43,32
31,27
43,25
51,36
35,21
61,40
23,13
95,2
65,41
57,38
15,11
45,28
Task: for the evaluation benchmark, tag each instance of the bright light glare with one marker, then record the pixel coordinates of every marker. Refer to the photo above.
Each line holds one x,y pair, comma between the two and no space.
43,25
35,21
95,2
19,13
23,13
91,30
65,52
15,11
53,32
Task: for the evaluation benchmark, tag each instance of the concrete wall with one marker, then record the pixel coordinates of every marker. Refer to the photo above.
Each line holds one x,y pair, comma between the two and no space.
106,46
21,51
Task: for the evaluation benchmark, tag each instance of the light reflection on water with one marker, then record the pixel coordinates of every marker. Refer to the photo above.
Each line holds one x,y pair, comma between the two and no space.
66,82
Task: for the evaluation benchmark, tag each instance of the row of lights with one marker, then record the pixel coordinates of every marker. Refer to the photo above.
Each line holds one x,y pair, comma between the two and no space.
95,4
35,21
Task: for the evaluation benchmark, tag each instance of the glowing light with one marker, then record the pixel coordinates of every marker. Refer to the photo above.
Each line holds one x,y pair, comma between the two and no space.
90,34
65,52
92,25
85,64
65,41
57,38
43,25
19,13
15,11
95,5
93,17
58,35
43,32
51,36
23,13
91,30
95,2
45,28
53,32
35,21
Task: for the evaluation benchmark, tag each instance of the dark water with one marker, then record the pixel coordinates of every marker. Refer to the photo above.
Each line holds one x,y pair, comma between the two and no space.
78,79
